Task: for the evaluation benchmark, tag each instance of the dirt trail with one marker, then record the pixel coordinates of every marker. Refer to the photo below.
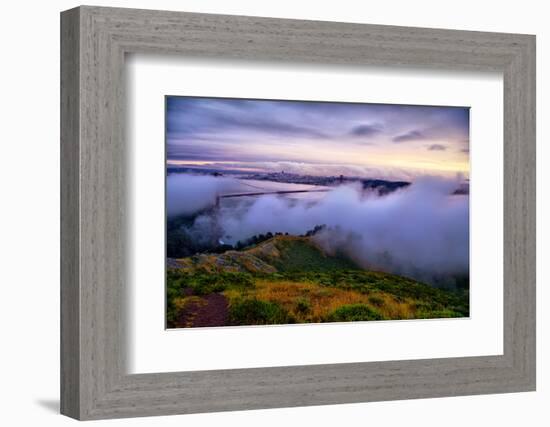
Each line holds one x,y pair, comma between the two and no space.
211,310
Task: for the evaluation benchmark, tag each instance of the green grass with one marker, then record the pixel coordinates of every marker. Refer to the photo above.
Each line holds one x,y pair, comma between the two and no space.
180,283
204,283
429,297
298,262
427,302
257,312
354,312
301,256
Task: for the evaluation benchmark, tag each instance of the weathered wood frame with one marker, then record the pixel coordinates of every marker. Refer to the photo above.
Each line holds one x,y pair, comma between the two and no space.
94,41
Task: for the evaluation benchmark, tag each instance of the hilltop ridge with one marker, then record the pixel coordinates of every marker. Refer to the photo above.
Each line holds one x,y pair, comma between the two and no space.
277,254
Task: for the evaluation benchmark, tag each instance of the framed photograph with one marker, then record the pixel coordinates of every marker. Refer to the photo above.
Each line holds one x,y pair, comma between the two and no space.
289,212
262,213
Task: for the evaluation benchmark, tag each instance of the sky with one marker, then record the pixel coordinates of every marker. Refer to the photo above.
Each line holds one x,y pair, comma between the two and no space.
318,138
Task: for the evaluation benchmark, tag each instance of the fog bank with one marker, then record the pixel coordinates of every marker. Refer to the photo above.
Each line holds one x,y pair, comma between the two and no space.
188,194
421,231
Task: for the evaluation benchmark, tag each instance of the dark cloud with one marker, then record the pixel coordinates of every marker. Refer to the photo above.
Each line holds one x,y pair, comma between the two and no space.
366,130
196,117
267,125
413,135
465,150
189,152
437,147
199,152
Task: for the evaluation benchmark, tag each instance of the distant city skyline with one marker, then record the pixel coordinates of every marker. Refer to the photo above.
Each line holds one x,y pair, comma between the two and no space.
318,138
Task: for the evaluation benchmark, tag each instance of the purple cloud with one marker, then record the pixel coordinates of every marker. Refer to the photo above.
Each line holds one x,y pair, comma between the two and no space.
437,147
366,130
225,129
413,135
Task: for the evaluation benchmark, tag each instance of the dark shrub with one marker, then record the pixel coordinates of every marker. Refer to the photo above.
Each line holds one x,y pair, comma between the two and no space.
303,305
257,312
204,283
353,312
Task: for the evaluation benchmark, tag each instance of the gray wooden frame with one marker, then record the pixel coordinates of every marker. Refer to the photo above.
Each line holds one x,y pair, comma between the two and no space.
94,382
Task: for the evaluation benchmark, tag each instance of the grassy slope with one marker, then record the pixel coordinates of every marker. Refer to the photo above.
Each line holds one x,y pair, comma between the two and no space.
289,279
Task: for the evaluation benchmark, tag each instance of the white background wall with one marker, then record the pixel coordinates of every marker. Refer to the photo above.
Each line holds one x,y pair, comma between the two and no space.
29,224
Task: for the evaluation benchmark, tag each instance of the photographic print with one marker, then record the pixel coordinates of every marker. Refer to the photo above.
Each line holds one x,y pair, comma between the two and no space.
286,212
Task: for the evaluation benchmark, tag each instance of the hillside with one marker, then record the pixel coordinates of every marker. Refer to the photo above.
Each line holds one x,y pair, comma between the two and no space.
289,279
278,254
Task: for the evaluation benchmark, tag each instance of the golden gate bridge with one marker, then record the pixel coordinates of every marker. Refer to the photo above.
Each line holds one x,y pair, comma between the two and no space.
267,192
